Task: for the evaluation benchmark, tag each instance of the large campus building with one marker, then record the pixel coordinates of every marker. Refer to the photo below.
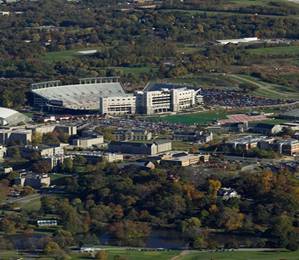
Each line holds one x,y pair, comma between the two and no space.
107,96
165,100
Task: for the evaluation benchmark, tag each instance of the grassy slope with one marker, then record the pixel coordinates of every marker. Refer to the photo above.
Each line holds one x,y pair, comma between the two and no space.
242,256
267,89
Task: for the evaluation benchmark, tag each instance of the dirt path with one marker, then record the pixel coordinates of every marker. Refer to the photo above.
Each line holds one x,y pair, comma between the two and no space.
182,254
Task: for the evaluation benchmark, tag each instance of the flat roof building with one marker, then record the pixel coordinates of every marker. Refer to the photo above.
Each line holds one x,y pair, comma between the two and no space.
165,100
132,135
118,105
15,136
150,148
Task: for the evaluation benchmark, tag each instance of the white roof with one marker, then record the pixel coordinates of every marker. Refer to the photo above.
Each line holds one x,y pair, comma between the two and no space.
6,112
235,41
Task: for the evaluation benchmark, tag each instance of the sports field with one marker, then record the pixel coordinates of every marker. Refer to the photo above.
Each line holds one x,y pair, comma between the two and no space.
201,118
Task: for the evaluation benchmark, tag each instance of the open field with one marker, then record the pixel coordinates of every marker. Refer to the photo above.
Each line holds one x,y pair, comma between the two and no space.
257,2
134,255
208,80
230,8
241,256
197,255
201,118
232,81
280,51
134,70
173,255
266,89
65,55
182,146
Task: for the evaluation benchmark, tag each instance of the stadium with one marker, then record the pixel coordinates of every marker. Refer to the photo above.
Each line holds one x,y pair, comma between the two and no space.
107,97
83,97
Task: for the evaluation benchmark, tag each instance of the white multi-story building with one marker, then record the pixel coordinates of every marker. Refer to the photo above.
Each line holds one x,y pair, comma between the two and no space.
118,105
165,100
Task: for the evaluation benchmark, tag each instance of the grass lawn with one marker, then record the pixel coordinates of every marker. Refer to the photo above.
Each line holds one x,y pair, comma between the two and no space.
256,2
173,254
242,256
208,80
65,55
193,255
227,81
281,51
32,205
179,145
201,118
133,254
145,255
134,70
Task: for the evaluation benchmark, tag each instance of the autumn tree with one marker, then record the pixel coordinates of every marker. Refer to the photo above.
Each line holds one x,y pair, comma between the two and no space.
231,219
214,187
101,255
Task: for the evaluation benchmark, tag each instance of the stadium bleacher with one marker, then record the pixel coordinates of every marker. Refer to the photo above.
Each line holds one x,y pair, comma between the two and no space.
80,96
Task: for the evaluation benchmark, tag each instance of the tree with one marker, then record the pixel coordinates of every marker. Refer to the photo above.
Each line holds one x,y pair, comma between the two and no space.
101,255
15,153
231,219
36,138
214,186
199,243
8,226
63,238
130,232
190,226
4,189
282,228
53,249
50,139
267,178
70,217
41,166
67,165
293,241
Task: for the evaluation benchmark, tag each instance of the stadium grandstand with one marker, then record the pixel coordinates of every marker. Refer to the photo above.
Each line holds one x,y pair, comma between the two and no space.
10,117
84,96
